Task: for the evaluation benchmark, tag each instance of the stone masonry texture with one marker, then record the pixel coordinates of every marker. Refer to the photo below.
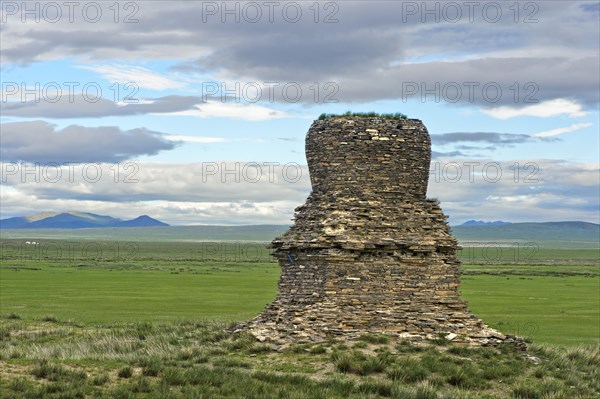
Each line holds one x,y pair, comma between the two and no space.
368,252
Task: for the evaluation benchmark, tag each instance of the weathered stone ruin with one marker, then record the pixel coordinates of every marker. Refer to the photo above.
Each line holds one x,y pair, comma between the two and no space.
368,251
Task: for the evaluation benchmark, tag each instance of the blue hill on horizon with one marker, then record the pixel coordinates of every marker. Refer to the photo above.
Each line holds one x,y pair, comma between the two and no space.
566,231
75,220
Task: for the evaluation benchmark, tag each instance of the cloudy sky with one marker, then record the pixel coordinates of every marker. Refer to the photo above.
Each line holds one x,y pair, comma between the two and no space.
195,112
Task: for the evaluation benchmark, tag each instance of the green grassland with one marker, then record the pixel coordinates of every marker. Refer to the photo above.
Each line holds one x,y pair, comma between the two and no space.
551,295
118,319
187,360
559,310
100,294
260,233
117,282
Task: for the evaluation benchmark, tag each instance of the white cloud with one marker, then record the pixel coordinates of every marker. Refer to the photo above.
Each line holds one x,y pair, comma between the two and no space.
142,77
210,182
543,109
249,112
196,139
561,130
521,199
538,190
40,141
242,193
201,193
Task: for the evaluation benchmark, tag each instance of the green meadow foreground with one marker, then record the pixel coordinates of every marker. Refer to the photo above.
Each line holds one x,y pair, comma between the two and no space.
153,320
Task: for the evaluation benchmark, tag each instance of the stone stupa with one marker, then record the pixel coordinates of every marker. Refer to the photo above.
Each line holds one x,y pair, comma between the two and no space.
368,251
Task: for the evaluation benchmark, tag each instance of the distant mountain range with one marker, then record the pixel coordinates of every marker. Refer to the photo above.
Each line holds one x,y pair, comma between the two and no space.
75,220
559,232
549,234
482,223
